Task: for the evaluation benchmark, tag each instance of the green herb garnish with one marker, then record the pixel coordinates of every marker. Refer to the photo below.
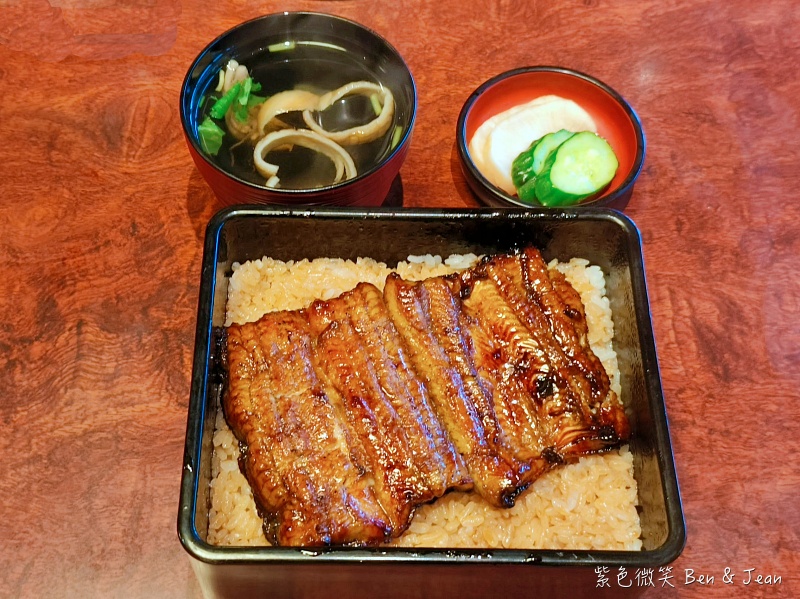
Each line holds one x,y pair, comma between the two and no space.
240,97
255,100
210,136
396,134
222,105
376,104
242,112
247,85
281,47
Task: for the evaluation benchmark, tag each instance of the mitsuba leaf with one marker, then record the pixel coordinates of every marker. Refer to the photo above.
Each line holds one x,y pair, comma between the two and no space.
210,135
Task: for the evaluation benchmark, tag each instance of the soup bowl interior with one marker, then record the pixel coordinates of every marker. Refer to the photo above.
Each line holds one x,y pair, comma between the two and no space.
317,53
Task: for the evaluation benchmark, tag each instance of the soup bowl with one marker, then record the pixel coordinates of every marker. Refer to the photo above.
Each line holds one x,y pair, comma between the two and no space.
314,53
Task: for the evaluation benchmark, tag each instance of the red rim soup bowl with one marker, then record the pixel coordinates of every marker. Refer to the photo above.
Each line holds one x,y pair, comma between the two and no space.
252,43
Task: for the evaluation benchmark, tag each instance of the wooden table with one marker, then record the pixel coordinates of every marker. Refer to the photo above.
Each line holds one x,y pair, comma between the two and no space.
103,215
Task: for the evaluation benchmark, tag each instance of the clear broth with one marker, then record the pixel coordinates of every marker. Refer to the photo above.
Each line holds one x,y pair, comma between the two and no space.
319,69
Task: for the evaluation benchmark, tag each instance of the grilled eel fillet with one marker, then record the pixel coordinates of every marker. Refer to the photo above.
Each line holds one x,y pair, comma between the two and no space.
341,441
503,348
358,409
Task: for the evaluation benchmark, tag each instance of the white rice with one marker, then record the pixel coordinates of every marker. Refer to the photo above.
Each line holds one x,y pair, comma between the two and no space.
590,504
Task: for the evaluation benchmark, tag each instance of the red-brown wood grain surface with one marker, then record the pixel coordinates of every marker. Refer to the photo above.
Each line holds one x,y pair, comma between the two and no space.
102,214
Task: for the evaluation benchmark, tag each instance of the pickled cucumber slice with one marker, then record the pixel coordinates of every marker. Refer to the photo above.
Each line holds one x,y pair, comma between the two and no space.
580,168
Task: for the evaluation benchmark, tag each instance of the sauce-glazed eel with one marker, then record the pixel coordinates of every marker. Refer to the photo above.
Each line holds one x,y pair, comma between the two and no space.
356,410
